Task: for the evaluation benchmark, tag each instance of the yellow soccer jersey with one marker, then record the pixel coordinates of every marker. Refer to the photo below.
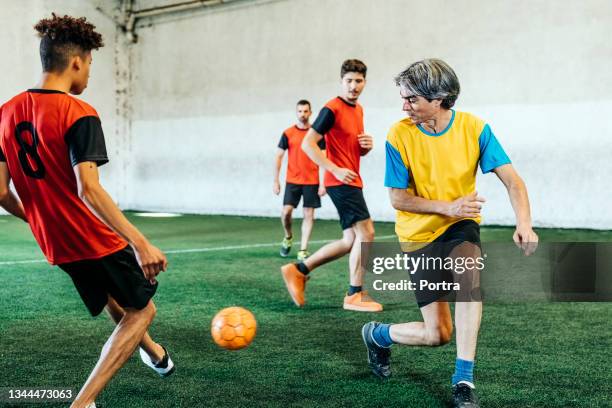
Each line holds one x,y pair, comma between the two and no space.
438,166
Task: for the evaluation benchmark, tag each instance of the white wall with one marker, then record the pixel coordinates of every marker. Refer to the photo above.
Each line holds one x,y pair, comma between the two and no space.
20,65
212,92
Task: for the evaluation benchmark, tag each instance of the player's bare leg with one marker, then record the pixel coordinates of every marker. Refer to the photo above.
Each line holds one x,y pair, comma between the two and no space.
295,278
358,299
436,328
307,224
468,310
468,313
364,232
153,349
116,351
467,323
332,250
286,220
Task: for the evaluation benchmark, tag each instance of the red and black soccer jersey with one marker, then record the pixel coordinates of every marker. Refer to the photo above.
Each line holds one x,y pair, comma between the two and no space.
300,169
43,134
341,122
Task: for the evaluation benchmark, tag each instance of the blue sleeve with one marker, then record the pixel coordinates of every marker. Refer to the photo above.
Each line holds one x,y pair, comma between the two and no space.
492,154
396,172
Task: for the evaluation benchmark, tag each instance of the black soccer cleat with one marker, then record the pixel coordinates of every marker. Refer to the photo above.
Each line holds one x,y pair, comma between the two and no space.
464,396
378,357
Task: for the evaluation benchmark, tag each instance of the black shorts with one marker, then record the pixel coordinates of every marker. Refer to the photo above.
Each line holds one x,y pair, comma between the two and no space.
293,193
117,275
350,204
458,233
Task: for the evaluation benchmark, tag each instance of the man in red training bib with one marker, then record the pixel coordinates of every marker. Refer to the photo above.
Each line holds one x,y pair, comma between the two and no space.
340,122
302,180
51,145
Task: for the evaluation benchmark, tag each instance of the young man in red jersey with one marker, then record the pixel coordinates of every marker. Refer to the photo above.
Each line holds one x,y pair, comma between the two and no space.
302,180
340,122
51,145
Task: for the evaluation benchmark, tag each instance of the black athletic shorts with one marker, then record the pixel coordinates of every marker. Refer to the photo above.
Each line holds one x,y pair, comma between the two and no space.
117,275
458,233
350,204
293,193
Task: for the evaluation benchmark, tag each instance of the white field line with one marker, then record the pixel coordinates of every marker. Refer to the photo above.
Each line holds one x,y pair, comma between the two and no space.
196,250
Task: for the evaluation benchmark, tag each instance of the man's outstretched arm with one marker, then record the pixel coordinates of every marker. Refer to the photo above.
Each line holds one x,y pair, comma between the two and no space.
8,200
517,191
150,258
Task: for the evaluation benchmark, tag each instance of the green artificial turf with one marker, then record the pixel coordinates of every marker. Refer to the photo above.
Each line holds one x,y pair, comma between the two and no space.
529,354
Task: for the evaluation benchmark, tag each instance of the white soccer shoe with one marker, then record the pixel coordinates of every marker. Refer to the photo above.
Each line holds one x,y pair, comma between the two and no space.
164,368
92,405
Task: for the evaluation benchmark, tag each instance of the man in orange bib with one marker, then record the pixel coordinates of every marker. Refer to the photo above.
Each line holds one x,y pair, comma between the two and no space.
340,122
302,180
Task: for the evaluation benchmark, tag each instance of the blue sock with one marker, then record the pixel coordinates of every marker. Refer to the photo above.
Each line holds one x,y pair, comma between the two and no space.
381,335
354,289
464,371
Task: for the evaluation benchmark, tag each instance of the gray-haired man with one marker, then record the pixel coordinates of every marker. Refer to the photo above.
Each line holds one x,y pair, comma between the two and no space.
431,163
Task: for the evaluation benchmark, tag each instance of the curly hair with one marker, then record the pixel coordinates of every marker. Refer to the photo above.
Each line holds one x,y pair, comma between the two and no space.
64,37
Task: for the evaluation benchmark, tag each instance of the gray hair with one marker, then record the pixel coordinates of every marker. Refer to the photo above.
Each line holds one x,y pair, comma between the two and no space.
431,79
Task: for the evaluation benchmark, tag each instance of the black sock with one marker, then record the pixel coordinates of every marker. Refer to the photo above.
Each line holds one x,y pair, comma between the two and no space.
354,289
302,268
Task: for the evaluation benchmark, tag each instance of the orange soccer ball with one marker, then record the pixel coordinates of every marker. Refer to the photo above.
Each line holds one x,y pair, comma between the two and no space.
233,328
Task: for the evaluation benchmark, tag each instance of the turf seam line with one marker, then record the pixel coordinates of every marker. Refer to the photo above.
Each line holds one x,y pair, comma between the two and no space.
195,250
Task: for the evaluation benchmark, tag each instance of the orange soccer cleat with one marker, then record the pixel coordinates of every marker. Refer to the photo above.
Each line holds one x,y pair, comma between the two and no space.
296,283
361,302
